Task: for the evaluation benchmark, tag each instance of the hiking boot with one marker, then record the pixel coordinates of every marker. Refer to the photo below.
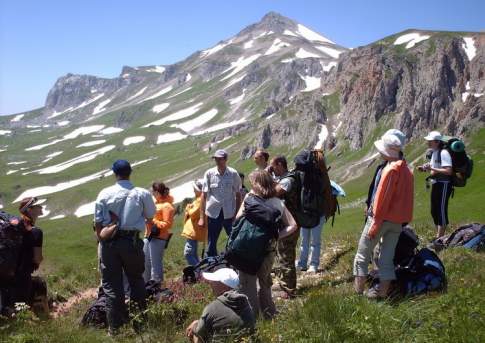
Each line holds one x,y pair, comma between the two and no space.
300,269
374,294
312,269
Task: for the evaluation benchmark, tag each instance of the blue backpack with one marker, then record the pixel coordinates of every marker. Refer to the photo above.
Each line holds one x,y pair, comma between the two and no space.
424,273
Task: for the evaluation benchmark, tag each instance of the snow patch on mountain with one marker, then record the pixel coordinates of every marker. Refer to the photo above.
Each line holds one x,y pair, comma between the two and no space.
160,107
469,47
170,137
312,83
311,35
133,140
197,122
80,159
329,51
159,93
157,69
101,106
17,118
277,45
237,99
91,143
239,65
322,136
137,94
186,112
234,81
302,53
218,127
411,39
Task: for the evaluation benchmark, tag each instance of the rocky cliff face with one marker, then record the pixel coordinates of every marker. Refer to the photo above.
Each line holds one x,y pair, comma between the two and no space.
434,84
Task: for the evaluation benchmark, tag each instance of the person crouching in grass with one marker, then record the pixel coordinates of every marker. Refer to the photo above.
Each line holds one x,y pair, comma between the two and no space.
158,234
192,232
392,206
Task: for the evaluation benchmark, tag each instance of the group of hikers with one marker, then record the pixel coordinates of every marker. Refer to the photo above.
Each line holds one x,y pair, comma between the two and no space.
133,228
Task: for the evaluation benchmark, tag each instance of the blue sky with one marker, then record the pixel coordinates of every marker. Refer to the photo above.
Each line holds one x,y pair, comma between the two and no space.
43,40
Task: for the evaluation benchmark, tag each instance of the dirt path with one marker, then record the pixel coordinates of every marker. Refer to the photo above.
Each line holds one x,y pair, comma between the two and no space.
63,308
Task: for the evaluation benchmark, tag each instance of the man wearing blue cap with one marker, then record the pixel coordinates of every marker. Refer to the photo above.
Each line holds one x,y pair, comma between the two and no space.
127,208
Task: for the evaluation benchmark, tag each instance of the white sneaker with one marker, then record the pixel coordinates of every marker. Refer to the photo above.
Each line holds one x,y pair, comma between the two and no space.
312,269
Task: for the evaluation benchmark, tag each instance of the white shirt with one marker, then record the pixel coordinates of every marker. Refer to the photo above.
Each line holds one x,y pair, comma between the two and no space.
445,159
138,206
221,192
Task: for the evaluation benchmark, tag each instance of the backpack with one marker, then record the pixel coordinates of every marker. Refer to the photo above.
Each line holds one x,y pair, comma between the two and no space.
11,237
95,315
406,247
312,193
471,236
424,273
462,163
251,235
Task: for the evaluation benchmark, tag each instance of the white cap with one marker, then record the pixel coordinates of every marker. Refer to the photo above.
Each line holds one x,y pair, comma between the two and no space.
389,145
434,136
399,134
225,275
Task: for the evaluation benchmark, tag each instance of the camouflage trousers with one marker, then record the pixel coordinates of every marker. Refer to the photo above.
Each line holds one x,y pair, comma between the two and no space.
286,270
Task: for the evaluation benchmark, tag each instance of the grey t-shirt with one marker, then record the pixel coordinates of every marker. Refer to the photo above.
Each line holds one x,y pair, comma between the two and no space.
229,315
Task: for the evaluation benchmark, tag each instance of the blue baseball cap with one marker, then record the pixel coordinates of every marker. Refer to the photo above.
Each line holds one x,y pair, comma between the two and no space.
121,167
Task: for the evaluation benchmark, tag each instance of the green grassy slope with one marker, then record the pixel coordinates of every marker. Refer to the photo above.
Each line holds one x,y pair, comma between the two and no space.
326,312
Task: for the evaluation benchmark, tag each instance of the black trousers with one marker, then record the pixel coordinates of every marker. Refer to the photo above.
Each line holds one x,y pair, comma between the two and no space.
122,254
440,195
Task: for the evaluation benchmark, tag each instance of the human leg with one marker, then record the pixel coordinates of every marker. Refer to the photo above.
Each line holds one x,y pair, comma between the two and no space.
304,248
157,249
315,244
266,303
214,226
190,252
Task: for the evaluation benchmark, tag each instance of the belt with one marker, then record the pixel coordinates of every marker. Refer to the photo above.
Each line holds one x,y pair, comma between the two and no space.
128,233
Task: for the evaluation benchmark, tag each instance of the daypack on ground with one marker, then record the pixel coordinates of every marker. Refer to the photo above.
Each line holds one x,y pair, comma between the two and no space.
312,196
424,273
95,315
11,235
462,163
251,235
470,236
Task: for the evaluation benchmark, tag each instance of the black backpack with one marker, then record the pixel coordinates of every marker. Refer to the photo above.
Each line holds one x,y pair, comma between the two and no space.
406,247
95,315
11,236
250,238
311,195
462,162
424,273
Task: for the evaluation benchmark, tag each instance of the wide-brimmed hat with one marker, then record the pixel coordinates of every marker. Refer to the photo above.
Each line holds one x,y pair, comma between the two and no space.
227,276
434,136
399,134
389,145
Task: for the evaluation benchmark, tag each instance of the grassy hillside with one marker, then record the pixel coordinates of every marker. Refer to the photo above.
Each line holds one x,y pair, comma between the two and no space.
326,311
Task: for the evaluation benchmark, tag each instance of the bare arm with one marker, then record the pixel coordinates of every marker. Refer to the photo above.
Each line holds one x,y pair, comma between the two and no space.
203,198
238,200
280,192
444,171
289,223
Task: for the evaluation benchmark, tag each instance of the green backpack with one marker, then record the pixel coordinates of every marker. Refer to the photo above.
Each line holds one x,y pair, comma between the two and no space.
462,162
251,235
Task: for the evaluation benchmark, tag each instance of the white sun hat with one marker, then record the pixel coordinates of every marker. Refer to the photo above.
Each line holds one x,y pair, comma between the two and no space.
389,145
434,136
225,275
399,134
